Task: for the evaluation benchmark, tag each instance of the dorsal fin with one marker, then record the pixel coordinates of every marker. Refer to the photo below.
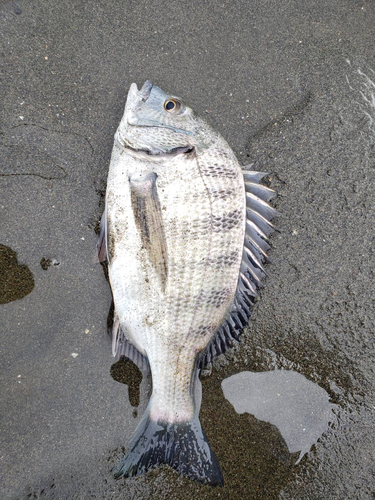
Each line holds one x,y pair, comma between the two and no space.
258,228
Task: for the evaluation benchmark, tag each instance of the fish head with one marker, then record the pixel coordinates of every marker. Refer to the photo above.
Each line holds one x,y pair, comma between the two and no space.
157,123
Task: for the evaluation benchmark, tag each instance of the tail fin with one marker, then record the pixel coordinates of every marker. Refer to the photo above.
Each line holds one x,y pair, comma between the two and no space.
183,446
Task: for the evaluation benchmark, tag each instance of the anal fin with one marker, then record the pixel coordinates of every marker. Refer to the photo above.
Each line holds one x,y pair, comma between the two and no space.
121,346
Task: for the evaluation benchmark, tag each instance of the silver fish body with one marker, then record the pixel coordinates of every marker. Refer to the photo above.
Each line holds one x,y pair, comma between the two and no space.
185,263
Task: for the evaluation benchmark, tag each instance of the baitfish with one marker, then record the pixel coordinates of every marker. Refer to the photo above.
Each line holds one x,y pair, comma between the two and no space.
184,233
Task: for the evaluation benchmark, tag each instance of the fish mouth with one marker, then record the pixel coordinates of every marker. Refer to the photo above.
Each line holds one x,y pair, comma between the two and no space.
155,152
145,91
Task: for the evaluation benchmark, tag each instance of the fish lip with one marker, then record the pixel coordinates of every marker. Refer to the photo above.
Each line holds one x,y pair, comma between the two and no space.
158,152
134,95
125,143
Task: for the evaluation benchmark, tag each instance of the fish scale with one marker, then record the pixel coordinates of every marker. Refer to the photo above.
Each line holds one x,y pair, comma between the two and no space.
191,281
184,233
184,280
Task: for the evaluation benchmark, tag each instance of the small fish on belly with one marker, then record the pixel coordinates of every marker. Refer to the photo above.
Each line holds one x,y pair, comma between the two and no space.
184,233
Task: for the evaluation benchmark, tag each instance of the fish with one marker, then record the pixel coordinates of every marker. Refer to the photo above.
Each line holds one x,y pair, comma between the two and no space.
185,234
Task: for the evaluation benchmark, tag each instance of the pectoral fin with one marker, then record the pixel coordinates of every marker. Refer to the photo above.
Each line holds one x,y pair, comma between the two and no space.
149,221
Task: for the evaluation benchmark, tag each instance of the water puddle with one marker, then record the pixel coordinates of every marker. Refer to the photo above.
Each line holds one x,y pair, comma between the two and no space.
16,280
126,372
300,409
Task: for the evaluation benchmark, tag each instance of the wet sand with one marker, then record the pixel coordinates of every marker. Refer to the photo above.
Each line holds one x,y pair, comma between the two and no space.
280,81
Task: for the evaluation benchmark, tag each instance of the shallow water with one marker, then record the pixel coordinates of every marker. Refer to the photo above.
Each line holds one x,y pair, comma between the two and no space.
281,83
16,280
299,409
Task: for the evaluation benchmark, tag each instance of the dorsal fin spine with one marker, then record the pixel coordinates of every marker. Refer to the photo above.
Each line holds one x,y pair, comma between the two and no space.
258,227
260,190
248,283
252,176
252,257
258,200
256,246
266,221
250,270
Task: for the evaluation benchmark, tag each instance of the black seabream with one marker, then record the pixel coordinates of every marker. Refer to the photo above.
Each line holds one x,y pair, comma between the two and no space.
185,235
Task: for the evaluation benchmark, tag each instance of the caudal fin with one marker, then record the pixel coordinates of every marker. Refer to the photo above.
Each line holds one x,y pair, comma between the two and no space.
183,446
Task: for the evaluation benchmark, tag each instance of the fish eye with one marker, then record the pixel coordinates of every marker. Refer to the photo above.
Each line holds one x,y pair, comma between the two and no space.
172,106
